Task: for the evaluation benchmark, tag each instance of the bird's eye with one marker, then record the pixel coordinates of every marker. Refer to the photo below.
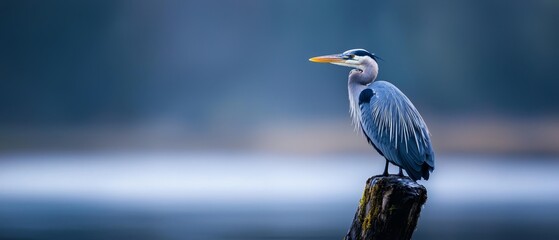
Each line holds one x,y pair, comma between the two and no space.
352,56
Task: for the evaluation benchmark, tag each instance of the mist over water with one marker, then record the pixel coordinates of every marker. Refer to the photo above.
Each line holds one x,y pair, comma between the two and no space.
261,196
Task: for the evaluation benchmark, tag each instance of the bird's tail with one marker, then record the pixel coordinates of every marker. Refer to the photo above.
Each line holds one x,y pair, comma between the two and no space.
425,169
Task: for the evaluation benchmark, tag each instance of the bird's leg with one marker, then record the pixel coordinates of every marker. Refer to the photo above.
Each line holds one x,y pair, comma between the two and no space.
401,173
386,169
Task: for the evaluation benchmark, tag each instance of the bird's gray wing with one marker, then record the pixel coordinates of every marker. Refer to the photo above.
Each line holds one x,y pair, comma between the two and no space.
396,129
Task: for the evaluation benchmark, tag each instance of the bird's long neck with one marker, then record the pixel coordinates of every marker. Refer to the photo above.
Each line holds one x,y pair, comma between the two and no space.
354,89
357,82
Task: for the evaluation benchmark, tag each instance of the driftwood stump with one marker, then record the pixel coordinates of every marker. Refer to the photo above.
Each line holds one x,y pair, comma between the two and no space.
389,209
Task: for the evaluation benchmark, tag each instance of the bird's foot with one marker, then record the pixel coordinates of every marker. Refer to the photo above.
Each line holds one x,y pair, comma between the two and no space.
400,173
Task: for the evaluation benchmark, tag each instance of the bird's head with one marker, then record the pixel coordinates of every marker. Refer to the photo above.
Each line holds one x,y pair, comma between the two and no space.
355,58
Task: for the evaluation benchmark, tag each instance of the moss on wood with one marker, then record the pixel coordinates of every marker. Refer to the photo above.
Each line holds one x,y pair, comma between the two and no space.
389,209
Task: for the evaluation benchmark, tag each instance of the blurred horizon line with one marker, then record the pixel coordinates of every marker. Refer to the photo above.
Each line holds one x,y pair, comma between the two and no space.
485,135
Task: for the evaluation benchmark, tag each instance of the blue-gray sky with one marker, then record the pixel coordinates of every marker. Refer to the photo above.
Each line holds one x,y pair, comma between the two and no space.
203,63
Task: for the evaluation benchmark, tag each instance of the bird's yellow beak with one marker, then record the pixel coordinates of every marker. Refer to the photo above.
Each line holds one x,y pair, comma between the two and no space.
334,58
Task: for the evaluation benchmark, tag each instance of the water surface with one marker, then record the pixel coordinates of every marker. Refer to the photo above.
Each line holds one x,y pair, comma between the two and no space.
258,196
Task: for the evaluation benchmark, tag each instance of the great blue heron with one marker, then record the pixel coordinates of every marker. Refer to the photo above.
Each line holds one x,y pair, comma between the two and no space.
386,116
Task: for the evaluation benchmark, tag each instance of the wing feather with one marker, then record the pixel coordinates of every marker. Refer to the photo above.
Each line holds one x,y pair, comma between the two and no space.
396,129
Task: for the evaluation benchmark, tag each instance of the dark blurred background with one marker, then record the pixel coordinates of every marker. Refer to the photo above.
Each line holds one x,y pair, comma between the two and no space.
163,119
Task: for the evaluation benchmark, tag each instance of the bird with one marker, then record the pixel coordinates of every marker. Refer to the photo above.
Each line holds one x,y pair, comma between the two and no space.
386,117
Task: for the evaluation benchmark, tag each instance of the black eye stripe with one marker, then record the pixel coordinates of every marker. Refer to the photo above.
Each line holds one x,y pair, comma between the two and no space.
361,53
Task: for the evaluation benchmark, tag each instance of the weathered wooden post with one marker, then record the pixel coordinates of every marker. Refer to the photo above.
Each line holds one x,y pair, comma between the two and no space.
388,210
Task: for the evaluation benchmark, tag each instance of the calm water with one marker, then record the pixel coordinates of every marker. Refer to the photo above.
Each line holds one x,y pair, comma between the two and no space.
243,196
